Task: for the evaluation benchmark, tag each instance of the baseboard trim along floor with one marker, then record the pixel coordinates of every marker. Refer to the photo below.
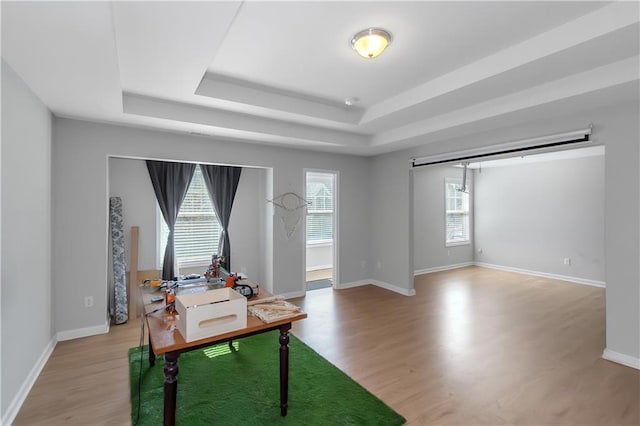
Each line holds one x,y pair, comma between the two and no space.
21,396
576,280
623,359
83,332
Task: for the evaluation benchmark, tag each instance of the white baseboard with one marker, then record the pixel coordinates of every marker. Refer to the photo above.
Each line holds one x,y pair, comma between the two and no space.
442,268
623,359
576,280
387,286
342,286
395,288
83,332
293,294
15,405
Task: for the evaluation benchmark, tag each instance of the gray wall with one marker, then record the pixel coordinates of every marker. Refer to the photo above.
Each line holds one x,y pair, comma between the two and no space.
391,241
622,180
615,127
129,179
80,189
532,216
429,219
27,330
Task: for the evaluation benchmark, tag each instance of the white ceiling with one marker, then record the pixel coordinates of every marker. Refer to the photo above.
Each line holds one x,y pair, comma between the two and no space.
279,72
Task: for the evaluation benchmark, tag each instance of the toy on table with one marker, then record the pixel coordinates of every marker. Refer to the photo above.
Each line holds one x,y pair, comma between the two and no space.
231,280
170,300
214,268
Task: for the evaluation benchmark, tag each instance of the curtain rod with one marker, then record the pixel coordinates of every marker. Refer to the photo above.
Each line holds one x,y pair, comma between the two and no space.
508,148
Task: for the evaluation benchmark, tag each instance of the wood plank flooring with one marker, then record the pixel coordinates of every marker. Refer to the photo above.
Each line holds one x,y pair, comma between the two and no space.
474,346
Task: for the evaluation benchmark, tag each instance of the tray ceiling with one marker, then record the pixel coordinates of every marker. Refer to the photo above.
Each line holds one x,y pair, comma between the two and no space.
279,72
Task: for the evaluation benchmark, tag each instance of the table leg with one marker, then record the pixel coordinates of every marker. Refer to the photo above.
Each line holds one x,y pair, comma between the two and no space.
170,387
284,367
152,355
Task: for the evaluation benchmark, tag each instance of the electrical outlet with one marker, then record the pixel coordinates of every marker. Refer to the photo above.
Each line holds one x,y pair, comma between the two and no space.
88,301
567,261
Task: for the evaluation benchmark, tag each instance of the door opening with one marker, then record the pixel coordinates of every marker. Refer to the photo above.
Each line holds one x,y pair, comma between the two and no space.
320,229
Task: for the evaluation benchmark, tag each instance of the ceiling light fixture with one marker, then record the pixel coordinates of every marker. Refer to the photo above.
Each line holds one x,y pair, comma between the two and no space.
371,42
351,101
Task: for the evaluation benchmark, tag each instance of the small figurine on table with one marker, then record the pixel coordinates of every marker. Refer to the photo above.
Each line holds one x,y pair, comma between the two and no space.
214,267
170,300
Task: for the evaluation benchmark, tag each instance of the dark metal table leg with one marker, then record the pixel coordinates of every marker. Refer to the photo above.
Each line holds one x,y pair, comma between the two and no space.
284,368
152,355
170,387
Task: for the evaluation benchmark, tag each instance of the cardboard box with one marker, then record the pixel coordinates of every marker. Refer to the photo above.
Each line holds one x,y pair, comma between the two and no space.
210,313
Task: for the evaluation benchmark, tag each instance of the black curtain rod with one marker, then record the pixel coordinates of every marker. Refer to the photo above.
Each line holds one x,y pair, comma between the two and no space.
585,138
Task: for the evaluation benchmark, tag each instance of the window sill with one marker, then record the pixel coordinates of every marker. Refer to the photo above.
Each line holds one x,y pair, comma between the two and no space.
194,264
458,243
321,243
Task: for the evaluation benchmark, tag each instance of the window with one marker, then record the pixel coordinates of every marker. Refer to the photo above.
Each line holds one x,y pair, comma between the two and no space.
320,210
197,231
457,213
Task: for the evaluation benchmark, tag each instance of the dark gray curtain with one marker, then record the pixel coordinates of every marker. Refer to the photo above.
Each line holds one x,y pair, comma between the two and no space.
170,183
222,184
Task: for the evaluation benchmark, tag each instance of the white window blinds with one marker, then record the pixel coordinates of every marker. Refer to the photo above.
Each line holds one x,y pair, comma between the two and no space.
320,210
457,213
197,231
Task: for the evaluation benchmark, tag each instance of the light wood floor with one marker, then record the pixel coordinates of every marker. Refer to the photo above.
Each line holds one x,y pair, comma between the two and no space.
320,274
474,346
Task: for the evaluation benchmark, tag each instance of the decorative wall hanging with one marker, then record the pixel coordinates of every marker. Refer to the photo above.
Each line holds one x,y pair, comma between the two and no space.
291,209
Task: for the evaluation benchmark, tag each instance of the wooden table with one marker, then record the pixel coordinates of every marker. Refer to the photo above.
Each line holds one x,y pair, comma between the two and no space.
165,339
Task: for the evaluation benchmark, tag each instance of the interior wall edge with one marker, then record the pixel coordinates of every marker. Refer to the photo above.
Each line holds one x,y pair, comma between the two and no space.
381,284
16,403
442,268
396,289
619,358
84,332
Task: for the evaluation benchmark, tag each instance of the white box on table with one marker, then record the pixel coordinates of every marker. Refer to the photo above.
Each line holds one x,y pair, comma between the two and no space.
210,313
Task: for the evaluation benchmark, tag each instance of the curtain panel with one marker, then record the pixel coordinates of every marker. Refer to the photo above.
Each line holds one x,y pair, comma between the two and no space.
222,184
170,183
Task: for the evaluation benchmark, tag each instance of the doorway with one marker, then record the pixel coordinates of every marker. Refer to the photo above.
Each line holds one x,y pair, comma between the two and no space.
321,190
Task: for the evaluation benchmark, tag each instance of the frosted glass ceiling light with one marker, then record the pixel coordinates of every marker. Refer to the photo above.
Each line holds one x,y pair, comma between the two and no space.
371,42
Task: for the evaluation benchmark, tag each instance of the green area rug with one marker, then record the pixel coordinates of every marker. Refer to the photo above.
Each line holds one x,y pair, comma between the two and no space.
241,387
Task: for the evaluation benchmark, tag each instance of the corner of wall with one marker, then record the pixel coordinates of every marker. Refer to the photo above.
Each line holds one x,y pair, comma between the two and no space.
16,403
623,359
386,286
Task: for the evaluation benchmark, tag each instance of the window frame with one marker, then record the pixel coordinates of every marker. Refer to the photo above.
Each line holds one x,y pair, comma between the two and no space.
468,212
321,211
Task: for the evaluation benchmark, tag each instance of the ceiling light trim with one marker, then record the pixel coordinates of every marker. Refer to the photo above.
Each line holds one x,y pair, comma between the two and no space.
371,42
